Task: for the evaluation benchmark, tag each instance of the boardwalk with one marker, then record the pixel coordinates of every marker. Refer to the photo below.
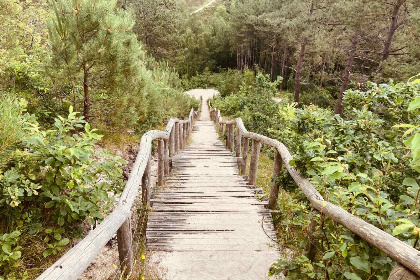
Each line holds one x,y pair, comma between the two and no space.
207,223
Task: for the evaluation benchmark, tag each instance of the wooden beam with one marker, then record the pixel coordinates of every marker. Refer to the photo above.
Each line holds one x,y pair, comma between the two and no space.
232,138
176,137
161,162
125,252
253,167
166,157
245,151
145,183
181,136
274,192
238,142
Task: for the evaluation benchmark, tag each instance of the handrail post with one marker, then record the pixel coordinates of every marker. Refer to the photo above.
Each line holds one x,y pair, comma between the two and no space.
274,193
185,134
256,147
172,142
161,162
181,136
125,254
232,138
145,183
228,136
166,156
310,249
245,150
238,142
176,136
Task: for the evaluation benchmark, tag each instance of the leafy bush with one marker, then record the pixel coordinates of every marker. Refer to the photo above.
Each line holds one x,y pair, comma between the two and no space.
358,162
10,251
226,82
57,171
53,180
13,118
253,103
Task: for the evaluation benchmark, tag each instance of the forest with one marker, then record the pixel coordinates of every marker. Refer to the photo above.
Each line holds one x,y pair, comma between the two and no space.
338,82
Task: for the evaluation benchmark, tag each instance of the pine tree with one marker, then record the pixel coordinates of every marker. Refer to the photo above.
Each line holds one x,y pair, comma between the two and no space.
93,47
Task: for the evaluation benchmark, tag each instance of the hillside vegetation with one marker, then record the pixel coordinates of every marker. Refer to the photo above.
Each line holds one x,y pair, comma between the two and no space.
336,81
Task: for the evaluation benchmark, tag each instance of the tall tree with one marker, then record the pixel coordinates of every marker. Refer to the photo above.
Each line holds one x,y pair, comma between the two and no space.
94,46
395,23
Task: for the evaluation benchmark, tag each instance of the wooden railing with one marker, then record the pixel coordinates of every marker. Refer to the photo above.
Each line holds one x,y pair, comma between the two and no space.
407,257
77,259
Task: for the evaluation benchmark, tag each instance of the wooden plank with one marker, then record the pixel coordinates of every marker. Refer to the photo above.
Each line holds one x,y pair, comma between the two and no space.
205,208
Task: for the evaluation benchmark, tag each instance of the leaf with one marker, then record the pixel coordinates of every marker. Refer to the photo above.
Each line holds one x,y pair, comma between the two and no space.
317,159
6,248
415,104
358,263
46,253
57,236
402,228
49,204
14,234
352,276
63,242
410,182
415,145
16,255
328,255
332,169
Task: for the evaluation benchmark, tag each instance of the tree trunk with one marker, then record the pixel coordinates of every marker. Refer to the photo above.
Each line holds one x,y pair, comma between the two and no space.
299,70
73,87
298,76
392,28
86,101
272,64
283,67
322,70
349,66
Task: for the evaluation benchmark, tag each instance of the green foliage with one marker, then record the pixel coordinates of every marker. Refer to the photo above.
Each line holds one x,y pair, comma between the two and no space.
10,252
57,169
253,103
359,162
12,123
226,82
54,179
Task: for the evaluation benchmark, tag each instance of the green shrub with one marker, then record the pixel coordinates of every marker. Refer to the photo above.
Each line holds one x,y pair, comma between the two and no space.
51,182
358,162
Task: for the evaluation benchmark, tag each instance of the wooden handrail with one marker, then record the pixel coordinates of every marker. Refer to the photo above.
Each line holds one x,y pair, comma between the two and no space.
398,250
77,259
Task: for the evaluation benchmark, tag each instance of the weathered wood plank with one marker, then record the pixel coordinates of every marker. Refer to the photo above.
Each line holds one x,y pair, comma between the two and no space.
205,208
